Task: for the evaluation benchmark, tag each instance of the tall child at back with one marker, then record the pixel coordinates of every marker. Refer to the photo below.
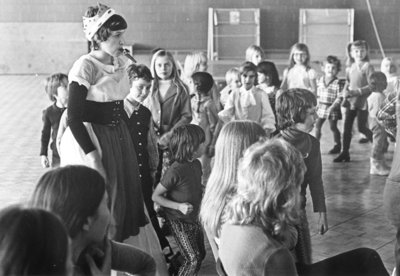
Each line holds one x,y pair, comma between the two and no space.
249,102
141,127
268,80
379,143
296,112
299,74
357,88
205,115
180,193
56,89
329,95
169,101
232,78
255,54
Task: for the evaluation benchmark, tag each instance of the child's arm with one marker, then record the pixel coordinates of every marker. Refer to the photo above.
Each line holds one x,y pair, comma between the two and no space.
313,176
152,149
267,116
313,80
159,197
284,84
228,112
45,139
215,127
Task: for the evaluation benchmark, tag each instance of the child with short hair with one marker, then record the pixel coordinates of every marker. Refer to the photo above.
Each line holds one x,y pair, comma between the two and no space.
180,193
379,142
268,80
249,102
296,112
329,93
389,68
140,125
255,54
299,74
56,88
205,115
232,78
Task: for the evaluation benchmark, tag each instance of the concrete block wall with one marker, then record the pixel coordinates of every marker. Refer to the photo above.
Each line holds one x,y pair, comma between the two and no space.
44,36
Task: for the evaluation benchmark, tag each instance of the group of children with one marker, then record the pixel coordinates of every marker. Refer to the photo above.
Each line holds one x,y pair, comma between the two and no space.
174,120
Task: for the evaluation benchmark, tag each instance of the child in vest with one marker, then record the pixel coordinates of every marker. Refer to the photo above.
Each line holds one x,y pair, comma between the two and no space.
140,124
249,102
56,89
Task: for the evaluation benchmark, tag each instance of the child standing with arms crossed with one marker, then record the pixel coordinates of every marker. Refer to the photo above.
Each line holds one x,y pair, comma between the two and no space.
205,115
140,124
169,101
299,74
56,88
249,102
180,192
379,143
357,90
329,95
296,112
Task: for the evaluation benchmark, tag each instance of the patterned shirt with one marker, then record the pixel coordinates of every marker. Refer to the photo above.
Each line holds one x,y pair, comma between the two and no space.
329,93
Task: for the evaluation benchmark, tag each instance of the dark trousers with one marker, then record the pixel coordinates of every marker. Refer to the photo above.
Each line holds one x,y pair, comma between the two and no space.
362,119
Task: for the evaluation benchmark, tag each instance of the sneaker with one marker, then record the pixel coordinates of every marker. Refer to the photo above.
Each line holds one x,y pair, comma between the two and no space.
377,168
363,140
335,149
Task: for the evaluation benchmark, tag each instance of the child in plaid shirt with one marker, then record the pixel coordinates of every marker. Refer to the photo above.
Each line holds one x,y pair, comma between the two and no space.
329,95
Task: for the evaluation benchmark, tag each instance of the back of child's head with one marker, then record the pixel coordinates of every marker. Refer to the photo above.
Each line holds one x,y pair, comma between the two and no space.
53,82
185,141
33,242
299,47
203,82
196,61
292,106
334,61
356,44
388,65
246,67
232,74
377,78
253,50
140,71
268,68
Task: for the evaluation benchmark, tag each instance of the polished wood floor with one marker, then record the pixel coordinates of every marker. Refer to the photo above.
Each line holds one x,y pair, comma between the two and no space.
354,198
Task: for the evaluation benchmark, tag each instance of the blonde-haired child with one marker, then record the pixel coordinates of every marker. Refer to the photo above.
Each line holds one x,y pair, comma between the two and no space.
255,54
169,101
232,78
299,74
56,88
249,102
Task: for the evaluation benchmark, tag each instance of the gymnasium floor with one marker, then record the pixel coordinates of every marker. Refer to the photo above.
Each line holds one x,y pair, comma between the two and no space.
354,198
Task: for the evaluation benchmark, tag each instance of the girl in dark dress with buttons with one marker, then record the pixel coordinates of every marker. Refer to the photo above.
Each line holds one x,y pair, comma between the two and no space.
97,136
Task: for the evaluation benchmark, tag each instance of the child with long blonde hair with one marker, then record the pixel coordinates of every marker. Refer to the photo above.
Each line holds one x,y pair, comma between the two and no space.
299,74
169,100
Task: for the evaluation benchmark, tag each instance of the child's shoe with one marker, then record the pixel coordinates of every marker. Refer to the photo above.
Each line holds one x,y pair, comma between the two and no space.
336,149
377,167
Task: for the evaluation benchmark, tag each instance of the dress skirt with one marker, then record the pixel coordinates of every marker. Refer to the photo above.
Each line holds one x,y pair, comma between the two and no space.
123,183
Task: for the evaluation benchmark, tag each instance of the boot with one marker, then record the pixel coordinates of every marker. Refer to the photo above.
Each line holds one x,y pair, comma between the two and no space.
336,149
342,157
377,167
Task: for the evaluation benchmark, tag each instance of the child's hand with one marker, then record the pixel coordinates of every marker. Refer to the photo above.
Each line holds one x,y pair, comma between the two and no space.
185,208
44,161
353,93
163,142
322,223
105,267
